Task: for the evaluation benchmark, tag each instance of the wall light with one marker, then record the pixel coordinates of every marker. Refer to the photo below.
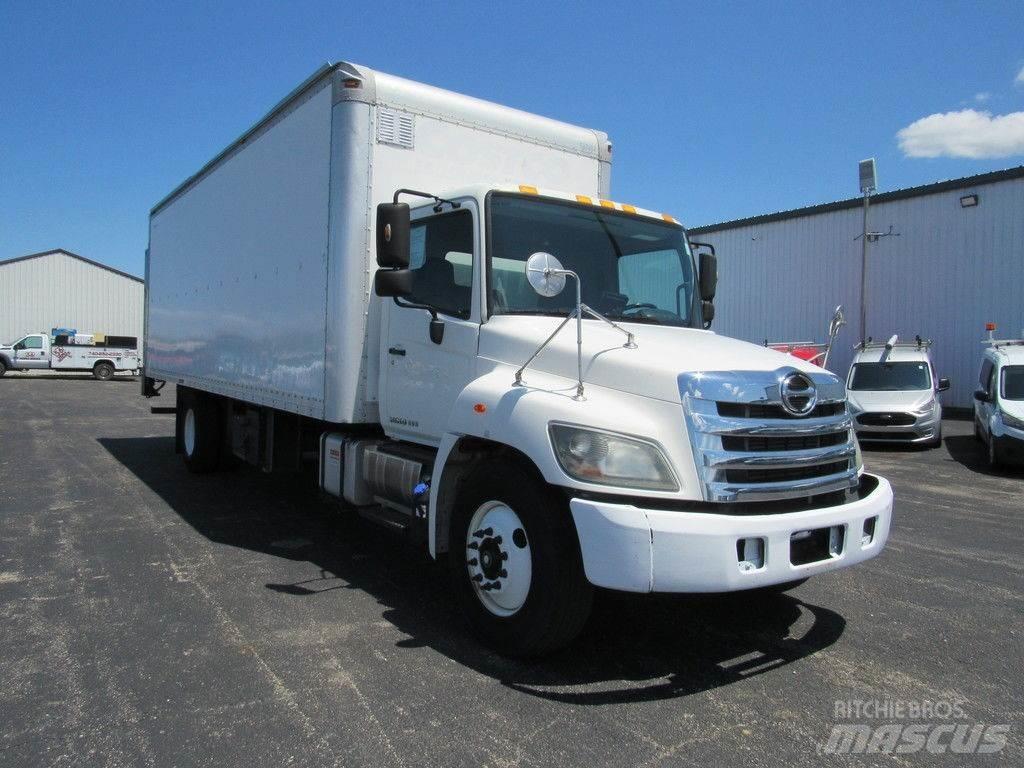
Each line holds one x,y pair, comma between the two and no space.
968,201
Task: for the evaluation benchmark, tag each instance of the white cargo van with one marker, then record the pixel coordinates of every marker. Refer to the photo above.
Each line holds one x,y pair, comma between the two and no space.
999,401
893,393
523,382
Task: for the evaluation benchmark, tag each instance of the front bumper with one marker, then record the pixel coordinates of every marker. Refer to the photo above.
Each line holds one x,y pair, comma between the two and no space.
629,548
923,429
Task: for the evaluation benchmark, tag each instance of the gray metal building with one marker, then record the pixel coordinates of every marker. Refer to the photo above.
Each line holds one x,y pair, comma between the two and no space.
59,288
954,262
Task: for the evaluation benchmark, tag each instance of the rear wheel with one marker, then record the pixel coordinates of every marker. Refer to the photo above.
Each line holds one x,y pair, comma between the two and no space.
103,371
200,435
515,563
3,367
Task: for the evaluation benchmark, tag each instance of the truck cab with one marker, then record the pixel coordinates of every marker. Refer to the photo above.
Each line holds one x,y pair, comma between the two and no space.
28,352
689,462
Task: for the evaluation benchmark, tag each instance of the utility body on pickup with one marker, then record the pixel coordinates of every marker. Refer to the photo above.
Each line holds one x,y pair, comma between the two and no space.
103,356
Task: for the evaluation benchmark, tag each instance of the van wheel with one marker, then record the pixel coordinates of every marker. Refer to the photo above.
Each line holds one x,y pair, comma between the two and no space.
200,435
3,368
103,371
515,563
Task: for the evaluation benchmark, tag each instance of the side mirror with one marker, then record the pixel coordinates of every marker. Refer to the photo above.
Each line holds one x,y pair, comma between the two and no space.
943,384
707,309
393,226
981,395
708,276
392,282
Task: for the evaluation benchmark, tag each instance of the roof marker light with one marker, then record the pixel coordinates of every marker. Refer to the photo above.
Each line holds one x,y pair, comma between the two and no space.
351,82
607,204
584,199
628,208
526,189
668,218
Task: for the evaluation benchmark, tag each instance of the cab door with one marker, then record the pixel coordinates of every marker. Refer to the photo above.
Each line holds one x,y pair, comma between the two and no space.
422,379
32,352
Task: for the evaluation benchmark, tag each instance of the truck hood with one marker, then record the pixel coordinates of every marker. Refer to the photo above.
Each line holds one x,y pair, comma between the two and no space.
651,370
910,400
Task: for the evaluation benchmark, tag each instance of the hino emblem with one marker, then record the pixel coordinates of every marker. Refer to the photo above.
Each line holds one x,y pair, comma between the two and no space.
799,395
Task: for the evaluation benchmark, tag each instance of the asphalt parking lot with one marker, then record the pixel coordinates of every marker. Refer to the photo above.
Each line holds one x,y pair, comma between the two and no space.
153,617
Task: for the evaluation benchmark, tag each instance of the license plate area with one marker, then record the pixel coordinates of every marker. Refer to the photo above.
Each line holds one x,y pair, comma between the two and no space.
816,545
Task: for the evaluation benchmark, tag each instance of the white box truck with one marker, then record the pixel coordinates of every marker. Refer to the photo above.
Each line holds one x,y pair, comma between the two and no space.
431,301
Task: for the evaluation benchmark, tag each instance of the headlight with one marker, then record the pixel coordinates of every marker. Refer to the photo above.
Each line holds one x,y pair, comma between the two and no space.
1011,421
607,458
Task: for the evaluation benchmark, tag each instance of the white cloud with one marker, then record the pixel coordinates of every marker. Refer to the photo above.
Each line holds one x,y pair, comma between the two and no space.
1019,79
967,133
982,97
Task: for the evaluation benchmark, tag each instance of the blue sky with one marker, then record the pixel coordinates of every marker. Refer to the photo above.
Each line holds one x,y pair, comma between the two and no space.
717,110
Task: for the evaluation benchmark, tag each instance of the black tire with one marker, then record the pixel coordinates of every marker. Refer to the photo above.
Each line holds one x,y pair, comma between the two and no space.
200,440
103,371
559,598
977,430
3,367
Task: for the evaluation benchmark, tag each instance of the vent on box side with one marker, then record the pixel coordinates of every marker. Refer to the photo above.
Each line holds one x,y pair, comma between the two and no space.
395,128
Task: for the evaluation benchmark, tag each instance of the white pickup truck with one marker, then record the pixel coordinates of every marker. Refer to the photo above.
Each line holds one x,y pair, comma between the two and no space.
103,358
526,386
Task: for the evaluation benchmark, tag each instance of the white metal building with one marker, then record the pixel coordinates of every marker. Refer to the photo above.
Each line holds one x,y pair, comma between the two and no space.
954,262
62,289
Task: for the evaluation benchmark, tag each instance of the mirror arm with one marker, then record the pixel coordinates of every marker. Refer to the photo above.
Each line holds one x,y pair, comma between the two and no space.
576,314
630,338
410,305
438,201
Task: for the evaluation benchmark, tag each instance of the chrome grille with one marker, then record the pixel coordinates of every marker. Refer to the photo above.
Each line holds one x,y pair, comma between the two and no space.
748,447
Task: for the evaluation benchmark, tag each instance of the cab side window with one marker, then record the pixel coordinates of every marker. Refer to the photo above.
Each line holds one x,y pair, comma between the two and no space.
985,379
441,260
33,342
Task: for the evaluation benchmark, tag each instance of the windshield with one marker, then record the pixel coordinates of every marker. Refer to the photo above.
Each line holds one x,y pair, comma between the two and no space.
630,268
1013,382
890,377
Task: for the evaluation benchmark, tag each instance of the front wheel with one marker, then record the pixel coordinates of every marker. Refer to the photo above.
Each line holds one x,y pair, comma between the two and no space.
103,371
515,563
3,367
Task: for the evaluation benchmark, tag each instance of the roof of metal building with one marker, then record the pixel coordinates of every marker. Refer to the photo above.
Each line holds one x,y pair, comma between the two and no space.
73,256
855,202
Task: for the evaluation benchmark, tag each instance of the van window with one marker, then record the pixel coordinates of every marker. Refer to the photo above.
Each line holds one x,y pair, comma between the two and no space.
1013,382
986,374
891,377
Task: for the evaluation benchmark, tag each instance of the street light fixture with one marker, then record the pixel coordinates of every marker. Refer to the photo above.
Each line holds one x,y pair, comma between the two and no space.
868,184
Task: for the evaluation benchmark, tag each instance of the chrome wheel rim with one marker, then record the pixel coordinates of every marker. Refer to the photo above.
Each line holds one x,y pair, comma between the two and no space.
498,558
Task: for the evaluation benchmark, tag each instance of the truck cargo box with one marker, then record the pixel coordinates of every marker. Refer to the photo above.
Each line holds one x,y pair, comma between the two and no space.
259,268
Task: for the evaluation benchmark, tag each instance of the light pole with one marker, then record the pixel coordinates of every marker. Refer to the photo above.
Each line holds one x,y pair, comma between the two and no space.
868,184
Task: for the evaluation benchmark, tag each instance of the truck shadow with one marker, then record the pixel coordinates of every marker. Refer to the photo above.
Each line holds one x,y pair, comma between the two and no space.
635,648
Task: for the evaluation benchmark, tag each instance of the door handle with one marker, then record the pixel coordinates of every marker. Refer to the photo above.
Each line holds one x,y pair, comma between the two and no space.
396,351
